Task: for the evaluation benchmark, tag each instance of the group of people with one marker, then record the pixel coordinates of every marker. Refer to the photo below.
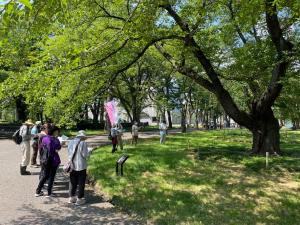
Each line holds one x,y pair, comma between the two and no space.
44,140
116,134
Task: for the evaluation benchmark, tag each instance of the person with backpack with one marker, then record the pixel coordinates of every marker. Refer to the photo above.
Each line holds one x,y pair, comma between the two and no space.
114,137
35,139
77,154
49,160
25,146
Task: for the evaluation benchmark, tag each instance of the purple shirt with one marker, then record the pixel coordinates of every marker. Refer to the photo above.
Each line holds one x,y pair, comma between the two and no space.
53,145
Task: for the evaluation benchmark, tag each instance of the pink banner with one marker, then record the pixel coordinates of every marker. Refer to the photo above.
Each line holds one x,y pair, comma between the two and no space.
111,109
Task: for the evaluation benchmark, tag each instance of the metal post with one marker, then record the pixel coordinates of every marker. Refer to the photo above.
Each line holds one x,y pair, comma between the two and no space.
122,169
117,168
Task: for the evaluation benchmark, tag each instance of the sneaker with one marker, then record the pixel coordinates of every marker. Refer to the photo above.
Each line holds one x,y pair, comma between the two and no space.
72,200
50,196
80,201
39,194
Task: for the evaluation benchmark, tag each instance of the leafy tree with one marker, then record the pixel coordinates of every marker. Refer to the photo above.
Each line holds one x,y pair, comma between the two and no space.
238,50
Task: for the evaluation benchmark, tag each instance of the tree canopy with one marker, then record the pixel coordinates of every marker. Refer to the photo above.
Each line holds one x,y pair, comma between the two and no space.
61,54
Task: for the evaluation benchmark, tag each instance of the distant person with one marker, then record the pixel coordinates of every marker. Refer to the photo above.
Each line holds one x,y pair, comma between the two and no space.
78,175
135,133
120,134
35,142
114,137
51,144
25,146
163,131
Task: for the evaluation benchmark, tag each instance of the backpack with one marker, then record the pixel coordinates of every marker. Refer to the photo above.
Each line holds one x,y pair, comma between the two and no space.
114,133
45,158
17,138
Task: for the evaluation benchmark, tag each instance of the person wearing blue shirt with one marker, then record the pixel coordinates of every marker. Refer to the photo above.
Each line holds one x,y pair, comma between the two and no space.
35,139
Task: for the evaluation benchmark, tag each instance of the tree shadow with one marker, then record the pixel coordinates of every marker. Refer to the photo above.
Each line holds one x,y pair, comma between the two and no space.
70,215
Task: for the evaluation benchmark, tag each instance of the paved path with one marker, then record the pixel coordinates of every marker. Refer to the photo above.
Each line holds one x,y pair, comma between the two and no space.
18,206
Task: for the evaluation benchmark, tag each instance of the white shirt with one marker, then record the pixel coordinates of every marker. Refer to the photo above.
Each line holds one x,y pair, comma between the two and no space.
163,126
80,159
135,130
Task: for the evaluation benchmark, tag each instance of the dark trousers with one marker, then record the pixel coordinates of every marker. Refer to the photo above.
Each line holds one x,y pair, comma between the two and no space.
114,144
34,153
47,174
77,179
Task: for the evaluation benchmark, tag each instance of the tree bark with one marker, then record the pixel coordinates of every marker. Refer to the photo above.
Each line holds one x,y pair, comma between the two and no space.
183,119
21,109
170,119
266,136
102,112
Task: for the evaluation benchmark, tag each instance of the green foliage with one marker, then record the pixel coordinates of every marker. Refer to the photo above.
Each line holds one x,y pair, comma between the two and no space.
61,54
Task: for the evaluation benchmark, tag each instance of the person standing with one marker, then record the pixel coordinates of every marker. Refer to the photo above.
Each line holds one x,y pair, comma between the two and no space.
35,139
163,131
120,134
135,133
114,138
78,151
51,144
25,146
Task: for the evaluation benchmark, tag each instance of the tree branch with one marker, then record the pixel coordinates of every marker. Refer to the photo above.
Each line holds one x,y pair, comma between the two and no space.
274,88
237,28
223,95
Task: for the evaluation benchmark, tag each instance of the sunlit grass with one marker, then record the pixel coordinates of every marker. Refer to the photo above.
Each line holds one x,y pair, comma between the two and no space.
204,178
71,133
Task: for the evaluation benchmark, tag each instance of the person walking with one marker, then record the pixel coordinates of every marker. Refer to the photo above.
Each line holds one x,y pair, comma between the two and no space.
135,133
114,138
163,131
35,142
120,134
78,153
50,144
25,146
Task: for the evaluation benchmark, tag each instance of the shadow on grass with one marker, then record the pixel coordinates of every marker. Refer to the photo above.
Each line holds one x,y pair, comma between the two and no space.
201,178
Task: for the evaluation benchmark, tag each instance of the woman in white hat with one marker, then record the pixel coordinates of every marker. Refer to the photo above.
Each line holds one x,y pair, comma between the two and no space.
78,151
25,146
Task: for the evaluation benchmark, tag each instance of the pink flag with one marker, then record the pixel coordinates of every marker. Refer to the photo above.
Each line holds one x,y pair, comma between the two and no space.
111,109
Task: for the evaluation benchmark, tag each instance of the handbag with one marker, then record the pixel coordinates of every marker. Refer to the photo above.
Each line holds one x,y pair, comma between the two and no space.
68,168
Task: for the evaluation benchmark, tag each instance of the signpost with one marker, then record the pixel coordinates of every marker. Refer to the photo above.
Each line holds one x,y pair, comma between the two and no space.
121,162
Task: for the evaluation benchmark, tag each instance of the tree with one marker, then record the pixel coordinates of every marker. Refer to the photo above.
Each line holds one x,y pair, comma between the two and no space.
257,39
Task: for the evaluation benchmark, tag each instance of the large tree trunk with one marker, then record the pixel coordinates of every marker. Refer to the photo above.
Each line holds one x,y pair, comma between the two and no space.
21,109
170,119
266,136
183,119
86,112
102,112
136,113
197,119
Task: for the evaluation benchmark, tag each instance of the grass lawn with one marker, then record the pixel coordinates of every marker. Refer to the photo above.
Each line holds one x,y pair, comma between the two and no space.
204,177
71,133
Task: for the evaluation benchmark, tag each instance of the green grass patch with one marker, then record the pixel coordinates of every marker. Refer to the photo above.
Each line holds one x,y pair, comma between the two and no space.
72,133
204,177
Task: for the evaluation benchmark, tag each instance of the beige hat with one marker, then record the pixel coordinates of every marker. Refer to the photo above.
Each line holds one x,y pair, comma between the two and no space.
28,122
